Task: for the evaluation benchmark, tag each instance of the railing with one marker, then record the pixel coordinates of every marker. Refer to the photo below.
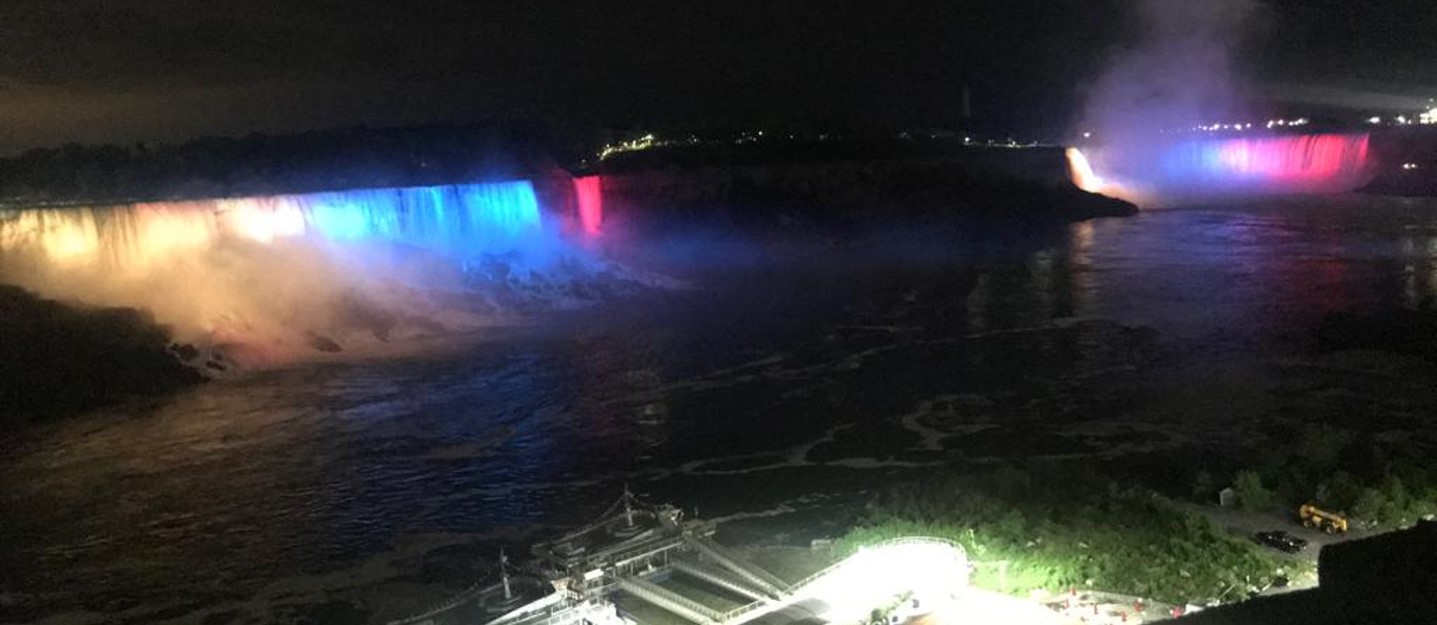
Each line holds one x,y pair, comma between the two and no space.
728,617
767,581
669,600
652,545
561,616
732,585
446,605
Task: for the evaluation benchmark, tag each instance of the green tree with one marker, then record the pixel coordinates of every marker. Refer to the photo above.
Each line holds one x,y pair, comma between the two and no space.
1368,505
1251,493
1396,502
1204,486
1339,492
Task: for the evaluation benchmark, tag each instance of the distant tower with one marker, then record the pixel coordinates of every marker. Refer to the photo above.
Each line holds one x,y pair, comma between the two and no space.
967,103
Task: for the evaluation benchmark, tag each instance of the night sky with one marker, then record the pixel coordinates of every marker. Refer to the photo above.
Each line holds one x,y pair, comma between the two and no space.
159,70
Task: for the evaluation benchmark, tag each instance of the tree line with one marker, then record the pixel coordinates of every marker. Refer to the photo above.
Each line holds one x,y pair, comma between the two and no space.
263,164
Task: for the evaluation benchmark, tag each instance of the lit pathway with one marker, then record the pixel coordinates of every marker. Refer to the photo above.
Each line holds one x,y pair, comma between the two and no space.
935,571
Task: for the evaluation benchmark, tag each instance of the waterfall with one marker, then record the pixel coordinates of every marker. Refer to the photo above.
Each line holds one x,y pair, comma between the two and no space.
1147,172
1321,161
453,220
262,271
589,193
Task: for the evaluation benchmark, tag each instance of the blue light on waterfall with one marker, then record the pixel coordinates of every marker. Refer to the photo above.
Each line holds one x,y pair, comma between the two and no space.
459,219
339,220
508,209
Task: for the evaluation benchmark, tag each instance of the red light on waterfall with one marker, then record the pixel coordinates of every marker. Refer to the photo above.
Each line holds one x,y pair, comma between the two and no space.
1310,158
589,191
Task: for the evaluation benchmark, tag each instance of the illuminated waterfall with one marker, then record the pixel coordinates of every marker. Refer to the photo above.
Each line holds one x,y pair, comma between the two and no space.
261,270
1323,163
1301,160
455,220
1081,172
589,193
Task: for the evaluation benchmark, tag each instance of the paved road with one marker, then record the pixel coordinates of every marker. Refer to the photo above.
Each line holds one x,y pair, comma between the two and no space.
1248,523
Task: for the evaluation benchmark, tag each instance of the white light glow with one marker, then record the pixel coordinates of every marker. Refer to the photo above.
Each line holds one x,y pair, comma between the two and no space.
874,576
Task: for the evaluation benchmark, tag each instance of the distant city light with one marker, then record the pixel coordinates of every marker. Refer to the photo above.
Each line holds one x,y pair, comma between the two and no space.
1409,166
1240,126
642,143
1374,120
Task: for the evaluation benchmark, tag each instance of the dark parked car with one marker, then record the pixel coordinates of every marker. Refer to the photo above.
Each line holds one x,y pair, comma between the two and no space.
1281,540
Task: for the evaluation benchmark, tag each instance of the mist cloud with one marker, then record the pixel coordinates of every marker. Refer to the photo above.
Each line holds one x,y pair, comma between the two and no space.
1179,72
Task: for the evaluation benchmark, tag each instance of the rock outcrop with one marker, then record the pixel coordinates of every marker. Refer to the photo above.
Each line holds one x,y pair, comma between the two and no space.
59,358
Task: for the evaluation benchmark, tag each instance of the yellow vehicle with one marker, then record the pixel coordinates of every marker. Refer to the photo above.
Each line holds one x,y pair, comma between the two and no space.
1317,518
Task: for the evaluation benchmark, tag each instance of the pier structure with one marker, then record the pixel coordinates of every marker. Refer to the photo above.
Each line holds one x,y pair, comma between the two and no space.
634,555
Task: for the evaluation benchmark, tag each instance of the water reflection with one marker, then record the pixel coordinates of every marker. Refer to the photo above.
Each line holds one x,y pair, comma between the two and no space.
1234,273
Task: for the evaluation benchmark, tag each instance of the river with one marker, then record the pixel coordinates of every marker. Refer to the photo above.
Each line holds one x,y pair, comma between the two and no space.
779,386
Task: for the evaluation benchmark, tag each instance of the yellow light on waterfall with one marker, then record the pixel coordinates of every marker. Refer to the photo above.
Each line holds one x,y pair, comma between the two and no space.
163,229
66,235
69,241
260,220
1081,172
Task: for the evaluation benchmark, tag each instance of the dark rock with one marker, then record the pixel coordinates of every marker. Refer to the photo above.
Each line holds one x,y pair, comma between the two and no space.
185,351
322,343
356,312
59,358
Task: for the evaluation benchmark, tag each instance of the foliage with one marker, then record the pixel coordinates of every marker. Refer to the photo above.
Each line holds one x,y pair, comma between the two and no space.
1368,505
1251,493
1340,491
1058,530
260,164
1382,483
58,358
1395,504
1204,486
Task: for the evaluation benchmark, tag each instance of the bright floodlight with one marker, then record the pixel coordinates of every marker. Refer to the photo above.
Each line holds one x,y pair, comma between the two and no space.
930,569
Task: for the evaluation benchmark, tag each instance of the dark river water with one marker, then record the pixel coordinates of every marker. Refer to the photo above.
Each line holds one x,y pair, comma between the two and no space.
781,384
